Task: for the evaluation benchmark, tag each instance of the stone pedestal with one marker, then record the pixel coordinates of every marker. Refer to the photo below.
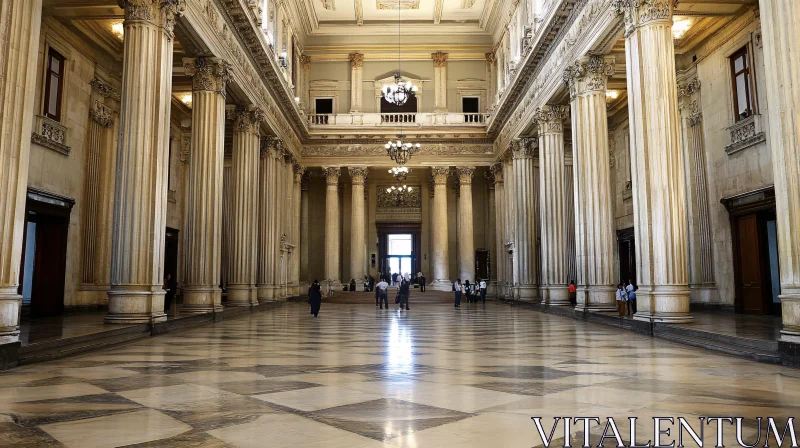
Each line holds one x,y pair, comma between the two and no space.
332,241
466,237
19,47
140,205
440,255
358,250
244,250
267,252
595,236
659,201
781,51
524,218
201,292
553,203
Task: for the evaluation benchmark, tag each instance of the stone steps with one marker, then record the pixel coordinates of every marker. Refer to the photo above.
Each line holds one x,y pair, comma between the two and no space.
60,348
755,349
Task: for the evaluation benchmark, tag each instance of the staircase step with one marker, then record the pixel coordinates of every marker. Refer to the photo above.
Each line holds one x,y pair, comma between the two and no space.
45,351
755,344
723,347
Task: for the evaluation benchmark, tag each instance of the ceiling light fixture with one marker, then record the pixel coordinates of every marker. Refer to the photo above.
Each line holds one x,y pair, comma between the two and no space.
400,151
400,173
399,92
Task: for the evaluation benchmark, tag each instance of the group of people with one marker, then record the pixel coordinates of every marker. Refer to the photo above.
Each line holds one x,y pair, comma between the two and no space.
395,279
626,299
403,293
470,291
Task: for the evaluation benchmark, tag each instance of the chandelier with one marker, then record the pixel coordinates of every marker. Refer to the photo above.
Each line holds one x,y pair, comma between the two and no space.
399,151
399,92
399,194
400,173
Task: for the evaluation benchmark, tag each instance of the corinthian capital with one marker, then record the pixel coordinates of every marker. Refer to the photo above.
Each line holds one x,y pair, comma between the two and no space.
156,12
524,148
589,75
551,118
497,172
246,118
440,174
640,13
332,175
305,62
465,174
358,175
208,74
299,172
439,59
101,114
356,60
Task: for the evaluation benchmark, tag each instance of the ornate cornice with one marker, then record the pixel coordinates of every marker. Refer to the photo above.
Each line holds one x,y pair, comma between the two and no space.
440,174
358,175
588,75
639,13
376,149
208,74
356,60
101,114
439,59
551,118
332,175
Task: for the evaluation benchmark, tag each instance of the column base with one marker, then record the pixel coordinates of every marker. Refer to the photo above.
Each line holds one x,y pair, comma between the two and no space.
556,295
265,293
528,293
238,295
128,306
10,304
201,299
790,312
91,294
663,303
596,299
442,285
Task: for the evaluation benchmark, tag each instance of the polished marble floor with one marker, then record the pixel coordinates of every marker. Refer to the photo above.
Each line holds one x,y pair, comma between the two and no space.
361,377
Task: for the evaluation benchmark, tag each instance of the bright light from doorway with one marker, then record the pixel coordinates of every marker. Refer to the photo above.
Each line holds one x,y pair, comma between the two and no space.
118,30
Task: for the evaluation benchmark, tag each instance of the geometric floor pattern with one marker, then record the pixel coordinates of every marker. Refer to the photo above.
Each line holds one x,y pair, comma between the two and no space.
361,377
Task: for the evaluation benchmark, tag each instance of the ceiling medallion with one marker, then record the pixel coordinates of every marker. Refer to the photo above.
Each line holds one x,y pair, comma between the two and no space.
400,173
400,151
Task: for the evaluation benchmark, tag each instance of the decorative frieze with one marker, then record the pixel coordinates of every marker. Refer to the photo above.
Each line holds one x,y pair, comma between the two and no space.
365,150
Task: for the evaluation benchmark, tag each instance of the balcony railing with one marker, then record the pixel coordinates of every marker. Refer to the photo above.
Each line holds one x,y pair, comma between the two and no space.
414,119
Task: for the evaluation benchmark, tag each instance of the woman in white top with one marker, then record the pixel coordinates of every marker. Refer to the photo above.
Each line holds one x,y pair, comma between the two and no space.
622,299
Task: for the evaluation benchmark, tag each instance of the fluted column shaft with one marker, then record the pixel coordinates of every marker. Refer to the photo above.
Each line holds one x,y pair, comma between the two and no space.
659,201
140,209
780,21
595,236
358,255
441,257
285,180
466,239
553,203
525,222
332,242
19,42
509,221
304,235
294,280
265,283
499,233
243,252
201,292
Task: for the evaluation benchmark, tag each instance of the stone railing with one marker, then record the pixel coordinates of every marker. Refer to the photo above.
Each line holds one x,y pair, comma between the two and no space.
746,133
50,134
418,119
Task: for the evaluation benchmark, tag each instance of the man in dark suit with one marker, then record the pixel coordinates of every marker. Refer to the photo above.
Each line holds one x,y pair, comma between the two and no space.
422,282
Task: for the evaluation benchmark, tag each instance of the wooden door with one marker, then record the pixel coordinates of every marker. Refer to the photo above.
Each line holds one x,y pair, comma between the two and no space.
49,268
751,285
171,253
481,264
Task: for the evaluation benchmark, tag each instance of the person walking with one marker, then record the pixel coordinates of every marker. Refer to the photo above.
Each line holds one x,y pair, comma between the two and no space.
572,293
371,283
405,291
422,282
631,290
382,294
315,298
394,279
622,298
171,286
468,291
482,288
458,290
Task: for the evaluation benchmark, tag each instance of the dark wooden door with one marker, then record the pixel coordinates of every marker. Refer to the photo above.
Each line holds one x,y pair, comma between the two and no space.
627,255
171,254
49,268
751,285
482,264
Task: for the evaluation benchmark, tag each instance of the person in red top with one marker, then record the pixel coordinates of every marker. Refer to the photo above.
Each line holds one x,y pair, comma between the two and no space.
572,296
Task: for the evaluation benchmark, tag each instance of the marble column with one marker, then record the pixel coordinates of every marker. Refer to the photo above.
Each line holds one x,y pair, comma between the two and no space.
140,208
439,82
305,87
358,177
265,283
525,222
659,201
304,234
553,203
595,230
491,78
509,225
489,220
19,50
285,206
332,241
779,21
201,292
244,250
356,82
297,177
440,255
227,221
499,226
466,240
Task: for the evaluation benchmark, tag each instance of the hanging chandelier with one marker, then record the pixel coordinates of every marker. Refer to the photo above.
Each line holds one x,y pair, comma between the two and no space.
399,92
399,194
400,173
399,151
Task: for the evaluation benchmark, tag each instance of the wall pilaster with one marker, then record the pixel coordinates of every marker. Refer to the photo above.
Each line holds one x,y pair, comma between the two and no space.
356,82
439,81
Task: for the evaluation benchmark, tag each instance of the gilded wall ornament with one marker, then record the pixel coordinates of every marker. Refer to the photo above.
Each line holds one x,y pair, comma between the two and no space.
439,59
356,60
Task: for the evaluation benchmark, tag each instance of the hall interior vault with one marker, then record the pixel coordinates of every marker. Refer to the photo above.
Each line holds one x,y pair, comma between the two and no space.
238,147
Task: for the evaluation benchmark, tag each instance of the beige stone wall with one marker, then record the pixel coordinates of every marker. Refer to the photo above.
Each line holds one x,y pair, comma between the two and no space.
619,147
